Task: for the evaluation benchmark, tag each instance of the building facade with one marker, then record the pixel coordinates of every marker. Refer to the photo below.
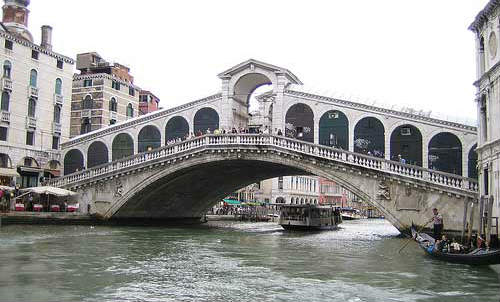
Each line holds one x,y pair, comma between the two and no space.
35,103
103,94
486,28
148,102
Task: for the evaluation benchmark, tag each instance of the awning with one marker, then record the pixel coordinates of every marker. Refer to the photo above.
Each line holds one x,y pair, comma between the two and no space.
30,169
9,172
55,173
231,201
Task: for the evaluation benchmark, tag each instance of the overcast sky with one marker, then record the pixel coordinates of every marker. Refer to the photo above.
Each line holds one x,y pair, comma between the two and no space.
396,52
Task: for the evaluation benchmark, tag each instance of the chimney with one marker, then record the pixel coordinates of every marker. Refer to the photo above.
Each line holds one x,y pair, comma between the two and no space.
46,37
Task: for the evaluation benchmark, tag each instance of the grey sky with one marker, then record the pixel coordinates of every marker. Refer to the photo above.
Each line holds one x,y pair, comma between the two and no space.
416,53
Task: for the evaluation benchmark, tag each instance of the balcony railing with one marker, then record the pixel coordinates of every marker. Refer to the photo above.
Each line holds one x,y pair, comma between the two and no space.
58,99
5,117
32,92
56,127
30,122
86,113
6,84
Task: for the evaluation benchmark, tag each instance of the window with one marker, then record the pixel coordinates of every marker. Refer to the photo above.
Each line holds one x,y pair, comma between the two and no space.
28,162
33,78
113,105
55,142
280,183
34,54
5,101
87,83
7,68
31,107
3,134
130,110
60,64
57,114
87,102
30,139
115,85
112,121
86,126
131,91
58,86
9,44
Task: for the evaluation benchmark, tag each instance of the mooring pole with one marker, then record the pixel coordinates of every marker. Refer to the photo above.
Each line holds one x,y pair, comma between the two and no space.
489,209
471,222
464,225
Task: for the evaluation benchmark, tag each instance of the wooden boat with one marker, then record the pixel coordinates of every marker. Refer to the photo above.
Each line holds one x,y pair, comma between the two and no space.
309,217
479,256
350,214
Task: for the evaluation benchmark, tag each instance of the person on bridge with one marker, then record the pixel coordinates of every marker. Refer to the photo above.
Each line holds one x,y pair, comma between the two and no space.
437,219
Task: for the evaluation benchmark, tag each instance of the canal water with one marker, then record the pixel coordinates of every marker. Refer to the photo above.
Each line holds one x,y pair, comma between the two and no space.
229,261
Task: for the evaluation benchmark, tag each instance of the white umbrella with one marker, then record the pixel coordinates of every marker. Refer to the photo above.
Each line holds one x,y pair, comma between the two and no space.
7,188
50,191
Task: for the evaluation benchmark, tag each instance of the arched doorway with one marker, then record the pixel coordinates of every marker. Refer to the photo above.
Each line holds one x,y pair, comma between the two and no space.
97,154
149,138
369,137
206,119
299,122
445,153
406,140
472,159
73,161
334,130
177,127
123,146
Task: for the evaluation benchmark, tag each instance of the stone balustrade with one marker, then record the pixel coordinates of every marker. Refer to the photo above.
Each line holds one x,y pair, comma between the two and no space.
277,143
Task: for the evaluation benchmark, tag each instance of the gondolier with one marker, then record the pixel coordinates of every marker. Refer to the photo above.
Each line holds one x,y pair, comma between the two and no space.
437,219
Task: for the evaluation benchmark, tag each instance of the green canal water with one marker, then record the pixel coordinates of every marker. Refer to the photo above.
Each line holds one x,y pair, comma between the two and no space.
229,261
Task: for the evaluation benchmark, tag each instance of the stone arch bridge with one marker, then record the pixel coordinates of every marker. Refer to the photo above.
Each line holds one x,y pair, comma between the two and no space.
182,180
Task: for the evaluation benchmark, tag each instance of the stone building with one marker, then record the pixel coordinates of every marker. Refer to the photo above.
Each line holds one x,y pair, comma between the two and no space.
148,102
103,94
36,85
486,27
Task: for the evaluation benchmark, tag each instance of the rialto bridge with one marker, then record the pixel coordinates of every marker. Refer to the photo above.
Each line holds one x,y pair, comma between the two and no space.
128,171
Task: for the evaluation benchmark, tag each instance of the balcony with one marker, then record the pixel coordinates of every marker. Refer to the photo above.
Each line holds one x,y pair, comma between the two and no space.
30,122
113,115
6,84
32,92
86,113
5,117
56,127
58,99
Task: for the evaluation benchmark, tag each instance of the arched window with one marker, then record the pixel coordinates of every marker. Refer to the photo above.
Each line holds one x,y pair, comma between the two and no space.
206,119
177,127
299,122
73,161
149,138
113,105
57,114
86,126
5,101
472,173
97,154
31,107
33,78
445,153
123,146
87,102
130,110
334,130
369,137
482,60
7,68
58,86
406,145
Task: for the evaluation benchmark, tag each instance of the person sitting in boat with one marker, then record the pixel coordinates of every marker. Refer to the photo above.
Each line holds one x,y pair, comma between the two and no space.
456,247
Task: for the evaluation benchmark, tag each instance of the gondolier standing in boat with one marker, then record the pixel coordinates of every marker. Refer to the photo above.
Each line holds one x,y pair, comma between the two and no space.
437,219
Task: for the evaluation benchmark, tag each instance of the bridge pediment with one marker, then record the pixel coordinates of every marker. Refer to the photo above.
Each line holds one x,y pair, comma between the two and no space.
253,65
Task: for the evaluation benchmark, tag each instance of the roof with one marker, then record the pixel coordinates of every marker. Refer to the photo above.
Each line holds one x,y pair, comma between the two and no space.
482,16
252,63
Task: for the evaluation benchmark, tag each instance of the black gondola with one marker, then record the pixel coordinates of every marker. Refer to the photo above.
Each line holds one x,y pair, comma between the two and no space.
479,256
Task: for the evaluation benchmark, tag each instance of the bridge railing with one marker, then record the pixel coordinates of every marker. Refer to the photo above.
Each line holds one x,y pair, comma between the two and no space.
290,144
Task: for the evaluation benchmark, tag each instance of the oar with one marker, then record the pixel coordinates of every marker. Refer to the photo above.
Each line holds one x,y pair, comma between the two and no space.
410,239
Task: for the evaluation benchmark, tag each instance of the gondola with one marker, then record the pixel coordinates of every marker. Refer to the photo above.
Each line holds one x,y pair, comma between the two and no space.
479,256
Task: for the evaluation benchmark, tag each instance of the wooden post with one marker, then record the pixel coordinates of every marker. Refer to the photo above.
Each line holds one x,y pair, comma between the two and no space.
466,205
471,222
481,220
489,209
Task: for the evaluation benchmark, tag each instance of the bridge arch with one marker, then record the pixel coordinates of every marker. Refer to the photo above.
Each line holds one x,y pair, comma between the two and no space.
97,154
149,138
472,162
406,140
445,153
369,136
205,118
176,127
122,146
73,161
299,122
247,83
334,129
